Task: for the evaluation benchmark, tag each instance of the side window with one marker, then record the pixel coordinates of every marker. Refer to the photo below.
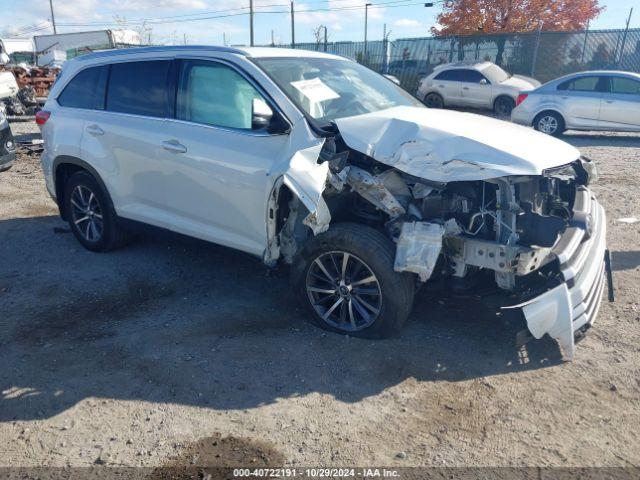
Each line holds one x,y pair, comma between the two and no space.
625,85
582,84
139,88
471,76
215,94
86,89
451,75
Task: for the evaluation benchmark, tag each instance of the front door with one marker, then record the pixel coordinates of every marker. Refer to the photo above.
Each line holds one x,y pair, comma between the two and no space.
580,100
218,157
621,104
476,89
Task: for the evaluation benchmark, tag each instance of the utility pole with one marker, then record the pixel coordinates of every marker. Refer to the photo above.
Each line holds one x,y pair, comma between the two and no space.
251,23
624,37
53,18
273,42
293,27
366,18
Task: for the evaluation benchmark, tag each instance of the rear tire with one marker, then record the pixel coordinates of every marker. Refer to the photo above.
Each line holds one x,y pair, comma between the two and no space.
434,100
90,213
362,296
550,123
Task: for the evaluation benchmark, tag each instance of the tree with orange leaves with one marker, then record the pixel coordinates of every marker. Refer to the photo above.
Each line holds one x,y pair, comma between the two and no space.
466,17
469,17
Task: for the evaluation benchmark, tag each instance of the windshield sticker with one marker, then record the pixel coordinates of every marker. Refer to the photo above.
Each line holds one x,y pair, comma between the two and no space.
315,90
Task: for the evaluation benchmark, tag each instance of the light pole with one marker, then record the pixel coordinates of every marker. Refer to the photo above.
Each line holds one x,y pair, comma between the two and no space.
53,18
251,23
293,27
366,17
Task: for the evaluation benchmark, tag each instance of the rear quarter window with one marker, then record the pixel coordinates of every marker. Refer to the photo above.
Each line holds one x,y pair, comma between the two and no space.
86,89
139,88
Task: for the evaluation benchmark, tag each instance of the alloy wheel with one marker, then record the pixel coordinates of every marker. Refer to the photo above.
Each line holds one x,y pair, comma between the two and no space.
548,124
87,213
344,291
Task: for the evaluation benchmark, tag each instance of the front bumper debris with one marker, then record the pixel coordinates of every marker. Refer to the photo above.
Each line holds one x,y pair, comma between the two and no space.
574,304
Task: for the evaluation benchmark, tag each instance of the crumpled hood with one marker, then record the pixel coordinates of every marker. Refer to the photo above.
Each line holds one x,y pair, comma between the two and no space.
445,146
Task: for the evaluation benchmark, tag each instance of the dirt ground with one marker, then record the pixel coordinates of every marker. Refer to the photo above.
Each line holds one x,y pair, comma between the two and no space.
141,356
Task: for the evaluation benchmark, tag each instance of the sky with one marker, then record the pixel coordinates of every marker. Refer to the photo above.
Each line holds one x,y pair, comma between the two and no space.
344,19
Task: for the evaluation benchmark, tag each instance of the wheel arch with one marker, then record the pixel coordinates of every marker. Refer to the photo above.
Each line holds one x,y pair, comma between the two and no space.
63,167
548,110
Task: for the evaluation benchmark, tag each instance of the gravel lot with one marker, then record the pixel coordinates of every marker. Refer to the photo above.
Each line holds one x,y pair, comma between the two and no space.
137,357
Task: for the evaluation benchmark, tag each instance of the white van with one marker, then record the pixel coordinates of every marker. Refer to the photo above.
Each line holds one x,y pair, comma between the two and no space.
315,161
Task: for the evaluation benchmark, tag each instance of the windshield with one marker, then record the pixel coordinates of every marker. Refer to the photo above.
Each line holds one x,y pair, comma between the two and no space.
496,74
328,89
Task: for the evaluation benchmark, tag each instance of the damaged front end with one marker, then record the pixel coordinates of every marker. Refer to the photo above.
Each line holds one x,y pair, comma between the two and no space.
536,230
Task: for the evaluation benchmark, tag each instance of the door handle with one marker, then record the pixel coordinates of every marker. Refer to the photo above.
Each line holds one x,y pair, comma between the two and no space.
611,101
94,130
564,98
465,88
174,146
440,86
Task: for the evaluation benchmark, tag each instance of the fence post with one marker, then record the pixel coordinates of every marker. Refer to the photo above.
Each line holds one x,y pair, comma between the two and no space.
584,45
535,51
624,38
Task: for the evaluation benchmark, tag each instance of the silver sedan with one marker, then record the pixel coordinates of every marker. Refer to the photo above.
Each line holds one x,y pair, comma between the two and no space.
598,100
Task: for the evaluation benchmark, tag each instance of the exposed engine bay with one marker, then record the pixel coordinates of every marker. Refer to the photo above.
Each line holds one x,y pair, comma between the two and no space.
508,225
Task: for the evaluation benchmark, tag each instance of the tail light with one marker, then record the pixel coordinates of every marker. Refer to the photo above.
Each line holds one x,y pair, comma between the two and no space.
42,116
521,98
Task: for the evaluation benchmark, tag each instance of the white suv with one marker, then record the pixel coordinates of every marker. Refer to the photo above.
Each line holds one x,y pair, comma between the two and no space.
479,85
315,161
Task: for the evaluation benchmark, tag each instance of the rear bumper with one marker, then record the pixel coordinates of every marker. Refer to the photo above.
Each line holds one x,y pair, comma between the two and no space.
521,117
574,304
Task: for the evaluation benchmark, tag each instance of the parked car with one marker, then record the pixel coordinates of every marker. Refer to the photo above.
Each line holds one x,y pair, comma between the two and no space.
317,162
598,100
7,143
8,85
478,85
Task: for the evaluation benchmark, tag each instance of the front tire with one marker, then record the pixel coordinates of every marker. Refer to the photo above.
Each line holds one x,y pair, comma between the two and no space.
90,213
503,106
550,123
345,278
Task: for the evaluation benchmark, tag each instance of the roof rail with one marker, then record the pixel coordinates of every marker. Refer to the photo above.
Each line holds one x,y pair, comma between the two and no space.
168,48
461,63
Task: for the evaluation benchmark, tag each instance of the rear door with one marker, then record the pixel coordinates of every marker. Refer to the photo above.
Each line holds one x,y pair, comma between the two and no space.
476,90
123,141
580,100
448,85
620,108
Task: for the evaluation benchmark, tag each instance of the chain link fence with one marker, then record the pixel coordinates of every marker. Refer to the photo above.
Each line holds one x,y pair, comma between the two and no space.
543,55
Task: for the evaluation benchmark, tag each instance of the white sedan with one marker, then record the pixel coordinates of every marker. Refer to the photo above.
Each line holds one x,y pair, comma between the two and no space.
598,100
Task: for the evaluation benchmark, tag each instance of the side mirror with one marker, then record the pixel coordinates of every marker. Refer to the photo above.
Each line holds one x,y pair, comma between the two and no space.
264,118
484,82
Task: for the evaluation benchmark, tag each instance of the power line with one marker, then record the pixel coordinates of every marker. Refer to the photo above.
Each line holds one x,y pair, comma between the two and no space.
179,19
